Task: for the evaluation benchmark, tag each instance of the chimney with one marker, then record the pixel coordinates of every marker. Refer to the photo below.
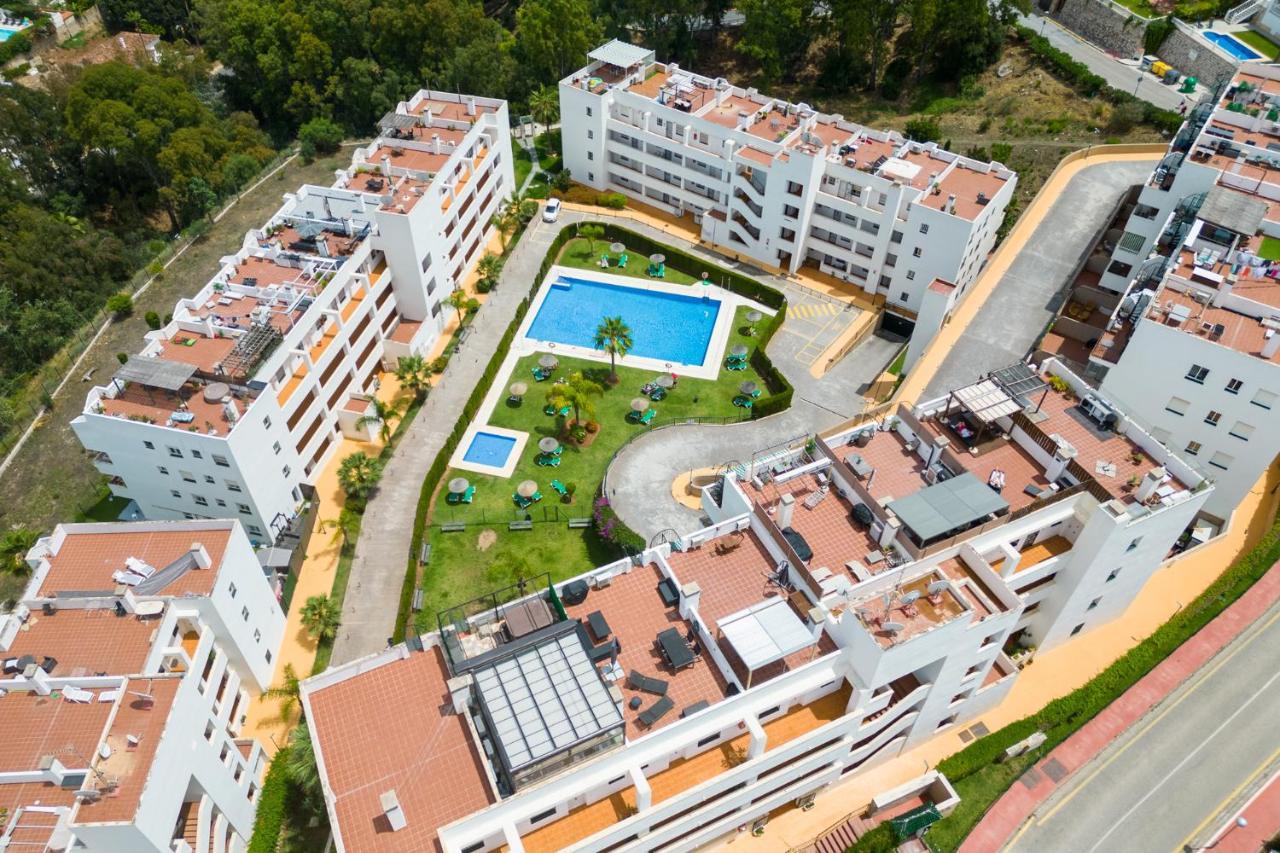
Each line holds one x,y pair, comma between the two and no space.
786,509
1270,343
391,808
386,165
38,679
459,692
471,106
890,532
435,143
951,204
690,595
1063,453
817,616
1224,289
200,555
1149,484
939,444
54,769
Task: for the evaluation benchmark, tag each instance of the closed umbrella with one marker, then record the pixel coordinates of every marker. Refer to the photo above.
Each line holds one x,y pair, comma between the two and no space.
617,248
458,485
738,349
666,380
639,404
548,361
753,316
658,258
527,489
548,445
519,389
747,388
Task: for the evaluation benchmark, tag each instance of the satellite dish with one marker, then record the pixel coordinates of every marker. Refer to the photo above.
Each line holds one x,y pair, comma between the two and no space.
887,598
910,598
937,588
893,627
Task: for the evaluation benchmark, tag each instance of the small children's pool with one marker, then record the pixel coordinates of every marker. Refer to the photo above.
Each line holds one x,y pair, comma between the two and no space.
1232,45
487,448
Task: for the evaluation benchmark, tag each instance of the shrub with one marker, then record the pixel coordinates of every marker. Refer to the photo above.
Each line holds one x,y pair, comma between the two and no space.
613,201
1001,152
153,319
923,130
439,363
122,357
120,305
319,136
1124,118
269,820
1156,32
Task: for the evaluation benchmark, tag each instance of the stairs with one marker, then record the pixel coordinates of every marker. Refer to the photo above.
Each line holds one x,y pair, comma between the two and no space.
1243,12
842,837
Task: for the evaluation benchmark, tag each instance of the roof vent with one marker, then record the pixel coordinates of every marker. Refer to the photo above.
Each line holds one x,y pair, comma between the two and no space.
391,808
200,556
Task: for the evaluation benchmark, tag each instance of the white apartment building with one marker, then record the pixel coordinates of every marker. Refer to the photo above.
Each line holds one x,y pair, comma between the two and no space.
847,602
786,185
238,403
1191,349
128,668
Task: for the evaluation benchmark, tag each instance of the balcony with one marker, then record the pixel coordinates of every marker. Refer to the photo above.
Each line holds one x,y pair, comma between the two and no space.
739,219
755,209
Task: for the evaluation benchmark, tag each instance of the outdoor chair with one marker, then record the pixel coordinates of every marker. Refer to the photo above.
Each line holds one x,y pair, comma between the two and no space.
742,402
559,488
648,416
622,262
547,461
736,365
541,374
645,684
658,394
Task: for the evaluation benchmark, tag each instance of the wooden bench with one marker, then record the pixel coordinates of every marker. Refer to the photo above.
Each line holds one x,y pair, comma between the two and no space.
575,523
417,600
453,527
520,525
424,556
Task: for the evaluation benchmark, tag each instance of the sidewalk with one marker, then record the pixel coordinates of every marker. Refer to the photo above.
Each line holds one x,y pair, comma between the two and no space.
998,826
1262,813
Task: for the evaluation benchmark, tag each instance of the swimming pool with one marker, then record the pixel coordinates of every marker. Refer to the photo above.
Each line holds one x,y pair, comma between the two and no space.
490,449
1232,45
6,30
669,327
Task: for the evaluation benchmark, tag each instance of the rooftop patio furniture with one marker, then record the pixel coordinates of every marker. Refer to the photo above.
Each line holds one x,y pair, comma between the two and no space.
645,684
668,592
622,261
735,365
574,592
674,649
635,703
643,418
700,705
604,651
814,498
598,624
525,503
656,711
798,543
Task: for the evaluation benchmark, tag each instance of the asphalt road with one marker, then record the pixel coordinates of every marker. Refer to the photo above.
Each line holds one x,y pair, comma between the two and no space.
1164,781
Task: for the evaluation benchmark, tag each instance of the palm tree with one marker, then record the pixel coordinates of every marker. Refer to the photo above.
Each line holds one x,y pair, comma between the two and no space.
346,526
288,691
415,376
303,769
579,393
322,617
489,267
514,212
359,474
382,415
614,337
544,106
592,233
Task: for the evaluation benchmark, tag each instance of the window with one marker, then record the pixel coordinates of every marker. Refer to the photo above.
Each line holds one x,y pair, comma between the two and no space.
435,310
588,110
904,296
1177,405
1264,399
268,657
162,470
895,237
244,509
1221,460
591,134
255,530
1134,544
197,454
1242,431
1193,448
916,252
148,445
710,739
591,155
221,461
1094,603
1120,268
1196,373
244,612
1077,629
286,471
541,816
1212,418
232,486
431,286
1115,573
1145,211
231,589
1233,386
924,229
200,500
175,453
275,448
790,211
220,502
176,493
591,176
426,261
187,476
266,422
208,478
257,635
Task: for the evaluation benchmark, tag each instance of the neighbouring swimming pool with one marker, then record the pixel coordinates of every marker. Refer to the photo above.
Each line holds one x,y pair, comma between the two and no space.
669,327
487,448
7,30
1232,45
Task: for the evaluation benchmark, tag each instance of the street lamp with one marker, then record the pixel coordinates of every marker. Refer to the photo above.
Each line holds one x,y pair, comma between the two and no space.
1238,823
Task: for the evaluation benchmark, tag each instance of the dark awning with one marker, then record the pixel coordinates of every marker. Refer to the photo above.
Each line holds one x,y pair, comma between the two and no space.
394,120
1019,380
155,372
953,504
1233,211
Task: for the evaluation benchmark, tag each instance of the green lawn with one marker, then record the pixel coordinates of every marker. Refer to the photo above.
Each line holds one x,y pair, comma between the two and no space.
579,253
1270,249
521,162
460,570
1259,42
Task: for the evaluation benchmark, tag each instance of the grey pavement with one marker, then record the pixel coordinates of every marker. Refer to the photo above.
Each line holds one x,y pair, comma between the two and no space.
386,536
1119,75
1026,297
1160,780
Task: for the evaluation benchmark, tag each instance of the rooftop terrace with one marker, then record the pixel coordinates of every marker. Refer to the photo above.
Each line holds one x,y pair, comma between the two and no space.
36,726
86,642
86,560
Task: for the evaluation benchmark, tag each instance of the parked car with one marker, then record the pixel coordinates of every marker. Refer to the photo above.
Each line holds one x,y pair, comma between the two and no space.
551,211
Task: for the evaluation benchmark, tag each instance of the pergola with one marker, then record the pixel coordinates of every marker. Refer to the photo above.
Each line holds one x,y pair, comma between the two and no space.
764,633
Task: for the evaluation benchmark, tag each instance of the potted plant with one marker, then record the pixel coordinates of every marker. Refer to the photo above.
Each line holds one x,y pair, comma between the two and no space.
1132,483
1136,457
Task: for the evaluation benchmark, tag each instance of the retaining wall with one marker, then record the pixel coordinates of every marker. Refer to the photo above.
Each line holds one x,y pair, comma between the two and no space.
1191,55
1101,22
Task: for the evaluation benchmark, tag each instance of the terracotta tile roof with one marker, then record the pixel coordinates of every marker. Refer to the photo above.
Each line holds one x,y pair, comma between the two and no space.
87,560
86,642
33,829
393,728
36,726
130,766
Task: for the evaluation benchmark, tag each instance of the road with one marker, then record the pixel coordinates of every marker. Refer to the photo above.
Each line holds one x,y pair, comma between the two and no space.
1166,781
1119,75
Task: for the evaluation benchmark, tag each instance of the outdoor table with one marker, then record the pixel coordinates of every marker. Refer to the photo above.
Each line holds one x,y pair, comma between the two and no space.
674,649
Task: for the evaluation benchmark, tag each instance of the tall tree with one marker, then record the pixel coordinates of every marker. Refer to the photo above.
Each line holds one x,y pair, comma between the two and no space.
553,37
383,414
614,337
577,392
415,375
544,105
322,617
288,691
359,474
776,34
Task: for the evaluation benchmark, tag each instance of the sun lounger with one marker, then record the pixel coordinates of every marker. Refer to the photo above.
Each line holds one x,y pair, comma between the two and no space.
646,684
658,394
75,694
742,402
559,488
542,374
648,416
815,498
547,461
656,711
622,262
695,708
736,365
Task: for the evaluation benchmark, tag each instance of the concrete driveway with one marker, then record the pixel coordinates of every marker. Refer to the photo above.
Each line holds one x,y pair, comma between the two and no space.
1026,298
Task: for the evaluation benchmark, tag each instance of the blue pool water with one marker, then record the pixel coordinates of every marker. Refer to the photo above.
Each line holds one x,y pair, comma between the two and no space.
666,326
489,449
6,31
1233,46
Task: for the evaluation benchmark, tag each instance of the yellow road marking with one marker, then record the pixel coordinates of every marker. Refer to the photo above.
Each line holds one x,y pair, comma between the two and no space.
1217,810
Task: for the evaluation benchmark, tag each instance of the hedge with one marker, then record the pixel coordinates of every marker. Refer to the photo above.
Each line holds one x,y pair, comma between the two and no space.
269,819
1065,715
1078,75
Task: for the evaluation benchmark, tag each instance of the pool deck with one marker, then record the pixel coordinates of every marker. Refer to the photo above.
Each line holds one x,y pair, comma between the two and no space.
458,459
708,369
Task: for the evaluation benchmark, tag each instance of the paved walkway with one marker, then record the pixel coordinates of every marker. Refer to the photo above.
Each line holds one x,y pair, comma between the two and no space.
1120,75
377,572
1262,816
1028,294
1105,738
